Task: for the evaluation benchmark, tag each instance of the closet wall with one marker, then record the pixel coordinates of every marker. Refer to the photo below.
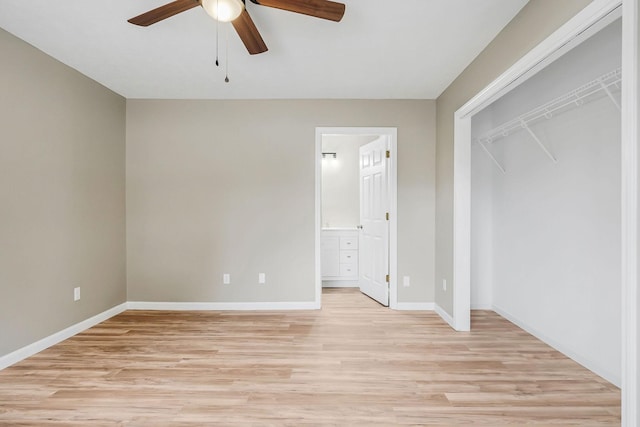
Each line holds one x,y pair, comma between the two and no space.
545,235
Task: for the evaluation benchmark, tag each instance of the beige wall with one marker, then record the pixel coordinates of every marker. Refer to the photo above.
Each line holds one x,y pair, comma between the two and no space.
62,216
219,187
537,20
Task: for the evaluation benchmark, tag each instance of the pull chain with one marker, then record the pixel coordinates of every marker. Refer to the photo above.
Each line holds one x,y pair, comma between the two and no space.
226,77
217,38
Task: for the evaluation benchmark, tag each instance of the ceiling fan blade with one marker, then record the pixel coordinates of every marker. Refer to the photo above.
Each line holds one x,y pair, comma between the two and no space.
249,34
317,8
164,12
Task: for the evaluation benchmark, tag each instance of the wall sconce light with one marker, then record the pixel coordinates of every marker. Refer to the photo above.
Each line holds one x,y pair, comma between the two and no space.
331,155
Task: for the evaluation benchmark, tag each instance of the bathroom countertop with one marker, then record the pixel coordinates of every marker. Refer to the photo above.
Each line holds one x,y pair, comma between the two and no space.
354,228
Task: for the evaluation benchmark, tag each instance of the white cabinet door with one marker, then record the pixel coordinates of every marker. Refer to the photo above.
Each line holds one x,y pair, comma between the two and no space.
330,256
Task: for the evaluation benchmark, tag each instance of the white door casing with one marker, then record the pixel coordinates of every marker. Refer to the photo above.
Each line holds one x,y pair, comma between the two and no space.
391,133
374,223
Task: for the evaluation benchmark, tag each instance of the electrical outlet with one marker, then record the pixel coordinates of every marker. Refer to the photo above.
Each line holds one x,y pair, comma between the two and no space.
444,285
406,281
226,278
76,294
262,278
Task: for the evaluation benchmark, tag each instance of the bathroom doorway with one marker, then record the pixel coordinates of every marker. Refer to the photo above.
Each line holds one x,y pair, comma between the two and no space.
356,228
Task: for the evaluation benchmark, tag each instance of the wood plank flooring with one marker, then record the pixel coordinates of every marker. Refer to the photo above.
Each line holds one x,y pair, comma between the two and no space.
353,363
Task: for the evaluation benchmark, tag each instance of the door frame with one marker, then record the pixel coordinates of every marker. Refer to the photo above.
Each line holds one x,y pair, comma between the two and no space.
551,48
392,134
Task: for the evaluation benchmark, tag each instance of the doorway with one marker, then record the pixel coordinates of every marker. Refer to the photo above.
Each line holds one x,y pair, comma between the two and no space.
339,229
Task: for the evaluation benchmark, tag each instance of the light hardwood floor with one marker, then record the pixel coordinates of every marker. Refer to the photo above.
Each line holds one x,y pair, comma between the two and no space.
353,363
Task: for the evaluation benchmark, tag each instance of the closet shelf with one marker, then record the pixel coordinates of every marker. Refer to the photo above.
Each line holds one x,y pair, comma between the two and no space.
574,98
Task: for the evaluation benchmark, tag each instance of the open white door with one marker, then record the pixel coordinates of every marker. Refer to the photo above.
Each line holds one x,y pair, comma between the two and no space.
374,221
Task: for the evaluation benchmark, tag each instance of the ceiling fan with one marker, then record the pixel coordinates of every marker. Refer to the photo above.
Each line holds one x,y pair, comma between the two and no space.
234,11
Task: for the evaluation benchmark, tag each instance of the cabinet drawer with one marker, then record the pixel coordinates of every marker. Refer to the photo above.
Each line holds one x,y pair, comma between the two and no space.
347,243
349,270
348,257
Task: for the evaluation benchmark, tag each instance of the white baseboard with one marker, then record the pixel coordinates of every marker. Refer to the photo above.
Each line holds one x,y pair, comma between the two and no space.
38,346
598,370
445,316
415,306
222,306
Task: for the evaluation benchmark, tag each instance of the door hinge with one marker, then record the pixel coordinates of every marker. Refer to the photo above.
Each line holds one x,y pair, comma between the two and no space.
387,216
388,154
387,278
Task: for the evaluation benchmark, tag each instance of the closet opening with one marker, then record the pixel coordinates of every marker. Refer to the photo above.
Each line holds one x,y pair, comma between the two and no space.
546,204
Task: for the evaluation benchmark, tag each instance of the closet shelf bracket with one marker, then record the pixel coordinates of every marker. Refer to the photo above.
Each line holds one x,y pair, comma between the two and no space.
609,94
537,140
491,156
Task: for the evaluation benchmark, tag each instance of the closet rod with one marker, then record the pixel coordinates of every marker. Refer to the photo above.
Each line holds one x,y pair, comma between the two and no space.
575,97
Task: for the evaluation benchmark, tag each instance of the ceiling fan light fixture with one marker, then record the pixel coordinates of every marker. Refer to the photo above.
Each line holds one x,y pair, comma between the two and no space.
223,10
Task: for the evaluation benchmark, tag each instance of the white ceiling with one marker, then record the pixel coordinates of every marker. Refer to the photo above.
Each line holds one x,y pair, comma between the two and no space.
382,49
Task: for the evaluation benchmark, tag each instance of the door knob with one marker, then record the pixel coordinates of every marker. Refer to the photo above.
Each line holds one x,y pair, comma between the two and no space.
359,227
